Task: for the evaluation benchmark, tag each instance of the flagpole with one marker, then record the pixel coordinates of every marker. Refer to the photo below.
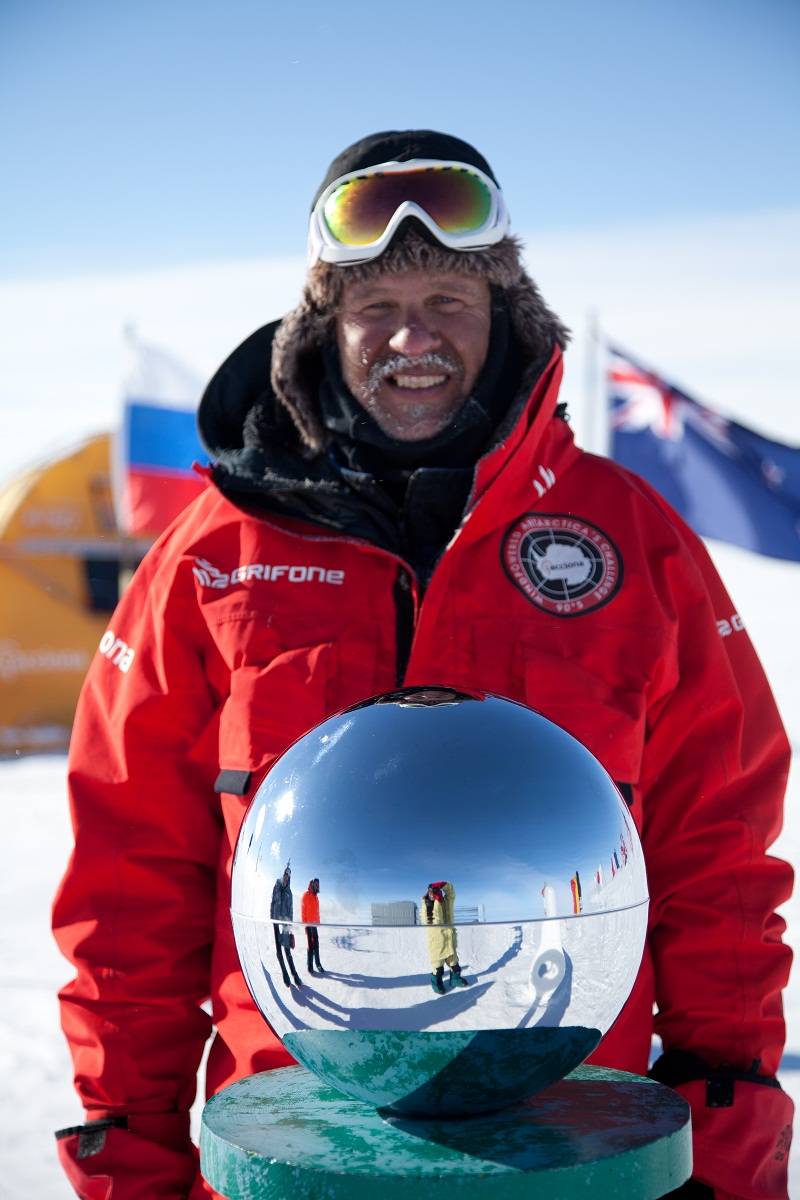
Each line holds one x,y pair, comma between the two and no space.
594,403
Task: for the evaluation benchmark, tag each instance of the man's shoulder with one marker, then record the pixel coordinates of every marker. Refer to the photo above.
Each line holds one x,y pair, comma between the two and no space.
614,484
209,522
636,512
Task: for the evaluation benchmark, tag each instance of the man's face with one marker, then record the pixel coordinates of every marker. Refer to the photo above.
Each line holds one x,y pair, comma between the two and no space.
412,346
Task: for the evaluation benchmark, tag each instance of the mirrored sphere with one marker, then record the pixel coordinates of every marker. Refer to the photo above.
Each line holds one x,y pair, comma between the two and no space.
475,901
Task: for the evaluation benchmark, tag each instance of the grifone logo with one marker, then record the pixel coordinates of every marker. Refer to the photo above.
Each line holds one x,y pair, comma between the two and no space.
563,564
210,576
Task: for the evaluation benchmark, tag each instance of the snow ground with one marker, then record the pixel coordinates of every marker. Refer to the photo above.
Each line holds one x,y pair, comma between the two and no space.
34,1064
377,974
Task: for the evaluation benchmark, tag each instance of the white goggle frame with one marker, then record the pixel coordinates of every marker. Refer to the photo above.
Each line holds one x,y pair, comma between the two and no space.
323,245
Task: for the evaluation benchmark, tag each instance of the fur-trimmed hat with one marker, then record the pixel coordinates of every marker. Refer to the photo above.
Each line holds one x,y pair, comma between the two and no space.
303,331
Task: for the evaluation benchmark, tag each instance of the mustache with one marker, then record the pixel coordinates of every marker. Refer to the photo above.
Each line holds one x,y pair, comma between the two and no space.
384,368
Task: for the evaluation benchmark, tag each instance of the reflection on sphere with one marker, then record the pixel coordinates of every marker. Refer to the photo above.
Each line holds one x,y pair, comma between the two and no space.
482,901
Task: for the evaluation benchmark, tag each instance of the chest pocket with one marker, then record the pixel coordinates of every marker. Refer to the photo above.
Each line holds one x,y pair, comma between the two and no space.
610,720
270,706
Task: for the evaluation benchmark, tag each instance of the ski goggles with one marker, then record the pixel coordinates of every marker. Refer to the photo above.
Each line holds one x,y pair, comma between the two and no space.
356,217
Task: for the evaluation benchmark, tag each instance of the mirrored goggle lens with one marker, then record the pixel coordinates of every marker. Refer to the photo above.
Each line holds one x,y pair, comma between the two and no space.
359,210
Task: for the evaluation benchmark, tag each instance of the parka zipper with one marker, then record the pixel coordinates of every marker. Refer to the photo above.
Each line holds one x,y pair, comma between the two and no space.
404,622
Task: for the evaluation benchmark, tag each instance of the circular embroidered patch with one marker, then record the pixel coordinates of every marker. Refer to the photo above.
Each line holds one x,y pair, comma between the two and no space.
563,564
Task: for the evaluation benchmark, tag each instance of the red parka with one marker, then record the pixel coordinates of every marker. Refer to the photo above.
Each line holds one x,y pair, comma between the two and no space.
309,908
571,586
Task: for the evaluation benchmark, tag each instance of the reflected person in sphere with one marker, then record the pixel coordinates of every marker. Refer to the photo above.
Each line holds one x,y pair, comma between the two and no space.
309,915
438,905
396,498
280,911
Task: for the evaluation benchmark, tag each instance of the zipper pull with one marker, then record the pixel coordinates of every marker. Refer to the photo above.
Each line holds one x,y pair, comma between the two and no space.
404,622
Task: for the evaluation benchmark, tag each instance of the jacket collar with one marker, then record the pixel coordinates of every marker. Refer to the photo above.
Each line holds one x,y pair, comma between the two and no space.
519,472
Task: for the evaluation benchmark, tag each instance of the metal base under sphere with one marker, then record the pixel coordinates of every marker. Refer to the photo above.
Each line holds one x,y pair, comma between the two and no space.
598,1133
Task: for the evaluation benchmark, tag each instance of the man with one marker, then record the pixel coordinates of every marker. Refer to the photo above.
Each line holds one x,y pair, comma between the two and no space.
396,497
309,915
280,910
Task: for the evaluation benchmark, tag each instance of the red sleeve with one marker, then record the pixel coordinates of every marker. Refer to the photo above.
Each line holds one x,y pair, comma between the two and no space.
135,910
714,775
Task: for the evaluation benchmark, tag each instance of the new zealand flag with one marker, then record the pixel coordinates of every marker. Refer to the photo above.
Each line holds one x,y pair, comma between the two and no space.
727,481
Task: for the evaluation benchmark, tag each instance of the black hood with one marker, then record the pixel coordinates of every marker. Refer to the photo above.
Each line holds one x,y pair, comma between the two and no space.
260,462
240,383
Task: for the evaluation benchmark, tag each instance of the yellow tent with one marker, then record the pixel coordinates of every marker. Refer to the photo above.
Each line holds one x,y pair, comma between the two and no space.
60,560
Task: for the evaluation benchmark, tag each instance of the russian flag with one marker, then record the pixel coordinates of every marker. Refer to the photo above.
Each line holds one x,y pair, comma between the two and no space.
158,441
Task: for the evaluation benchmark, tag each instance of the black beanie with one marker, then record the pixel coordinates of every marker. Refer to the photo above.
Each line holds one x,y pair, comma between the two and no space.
402,145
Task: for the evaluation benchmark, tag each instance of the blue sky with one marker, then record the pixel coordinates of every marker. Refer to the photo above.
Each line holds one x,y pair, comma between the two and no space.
155,134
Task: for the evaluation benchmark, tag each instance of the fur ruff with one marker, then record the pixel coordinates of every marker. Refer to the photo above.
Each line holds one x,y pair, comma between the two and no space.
298,340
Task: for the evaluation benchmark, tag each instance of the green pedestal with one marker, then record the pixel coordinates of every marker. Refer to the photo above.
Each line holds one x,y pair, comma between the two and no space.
284,1135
